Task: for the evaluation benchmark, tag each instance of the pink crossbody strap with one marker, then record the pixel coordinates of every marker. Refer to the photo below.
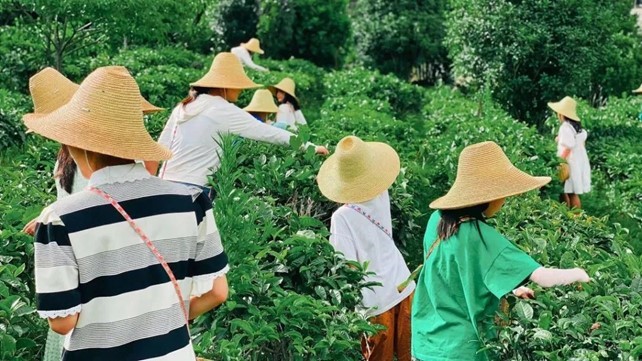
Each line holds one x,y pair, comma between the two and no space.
371,219
150,245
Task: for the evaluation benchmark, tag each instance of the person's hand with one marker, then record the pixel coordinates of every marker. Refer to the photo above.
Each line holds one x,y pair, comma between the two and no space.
319,149
30,228
524,292
580,275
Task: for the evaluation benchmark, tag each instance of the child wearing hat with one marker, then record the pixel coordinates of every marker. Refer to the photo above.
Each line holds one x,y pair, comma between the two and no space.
121,265
194,129
49,91
468,265
289,114
242,52
262,106
358,175
638,91
571,147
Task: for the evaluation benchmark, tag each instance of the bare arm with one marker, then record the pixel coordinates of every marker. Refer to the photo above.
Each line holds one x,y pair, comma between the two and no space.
550,277
210,300
63,325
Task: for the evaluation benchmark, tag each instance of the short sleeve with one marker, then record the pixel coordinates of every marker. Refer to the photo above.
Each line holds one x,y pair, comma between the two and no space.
509,268
299,118
566,136
56,269
341,238
210,261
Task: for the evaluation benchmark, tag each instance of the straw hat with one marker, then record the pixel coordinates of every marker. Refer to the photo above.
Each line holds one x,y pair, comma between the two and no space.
262,102
286,85
638,90
567,107
358,171
50,90
254,45
103,116
485,174
226,72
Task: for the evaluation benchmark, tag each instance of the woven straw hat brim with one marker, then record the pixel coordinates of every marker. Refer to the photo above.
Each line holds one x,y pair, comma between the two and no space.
253,47
483,190
78,130
261,108
274,88
558,107
262,101
382,169
225,81
149,108
638,90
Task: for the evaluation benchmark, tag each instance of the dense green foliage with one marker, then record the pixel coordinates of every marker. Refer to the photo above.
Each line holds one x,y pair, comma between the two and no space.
234,22
306,29
402,37
531,52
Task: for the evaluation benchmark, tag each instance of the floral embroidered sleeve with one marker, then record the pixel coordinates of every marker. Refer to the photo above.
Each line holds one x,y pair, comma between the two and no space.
56,269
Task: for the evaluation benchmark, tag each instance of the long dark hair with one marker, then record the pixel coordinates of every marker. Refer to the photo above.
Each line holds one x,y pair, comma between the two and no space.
451,219
290,99
66,169
194,92
574,123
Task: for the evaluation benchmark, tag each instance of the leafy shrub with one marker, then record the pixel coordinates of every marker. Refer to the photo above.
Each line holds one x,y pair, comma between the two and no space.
12,107
305,29
235,22
402,37
529,52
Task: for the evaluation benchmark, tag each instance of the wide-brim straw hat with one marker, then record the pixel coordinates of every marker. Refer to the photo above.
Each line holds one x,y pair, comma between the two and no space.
103,116
50,90
358,171
485,174
286,85
638,90
567,107
226,72
262,102
254,45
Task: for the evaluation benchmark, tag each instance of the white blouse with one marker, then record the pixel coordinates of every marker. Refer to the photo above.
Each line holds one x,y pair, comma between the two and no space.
246,59
287,115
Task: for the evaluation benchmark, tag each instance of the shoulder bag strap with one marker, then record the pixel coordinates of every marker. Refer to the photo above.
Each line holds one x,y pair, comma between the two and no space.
371,219
151,247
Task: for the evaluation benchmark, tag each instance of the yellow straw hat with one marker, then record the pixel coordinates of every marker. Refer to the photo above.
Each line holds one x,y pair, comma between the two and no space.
638,90
485,174
286,85
226,72
254,45
262,102
103,116
358,171
567,107
50,90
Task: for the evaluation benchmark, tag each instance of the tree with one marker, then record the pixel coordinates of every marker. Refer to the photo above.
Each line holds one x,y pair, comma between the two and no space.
308,29
402,37
530,52
235,22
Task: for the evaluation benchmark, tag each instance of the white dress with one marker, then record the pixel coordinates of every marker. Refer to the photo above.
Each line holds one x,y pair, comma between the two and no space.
579,181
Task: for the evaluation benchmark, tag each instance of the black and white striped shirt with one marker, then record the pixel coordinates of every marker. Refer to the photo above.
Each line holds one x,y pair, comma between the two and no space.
90,261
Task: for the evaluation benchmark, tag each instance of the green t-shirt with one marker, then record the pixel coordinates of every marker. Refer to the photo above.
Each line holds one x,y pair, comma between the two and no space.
459,288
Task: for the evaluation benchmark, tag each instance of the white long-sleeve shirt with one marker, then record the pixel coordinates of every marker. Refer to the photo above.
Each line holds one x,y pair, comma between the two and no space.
246,59
197,127
286,114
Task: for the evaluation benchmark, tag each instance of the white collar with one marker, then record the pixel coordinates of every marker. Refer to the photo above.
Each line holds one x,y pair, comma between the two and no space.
118,174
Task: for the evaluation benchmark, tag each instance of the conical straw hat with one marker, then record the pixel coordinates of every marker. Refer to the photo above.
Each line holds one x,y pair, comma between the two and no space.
254,45
262,102
638,90
50,90
485,174
286,85
567,107
358,171
103,116
226,72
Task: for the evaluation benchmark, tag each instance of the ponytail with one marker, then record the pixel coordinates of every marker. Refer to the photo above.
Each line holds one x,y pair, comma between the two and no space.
193,93
575,124
66,169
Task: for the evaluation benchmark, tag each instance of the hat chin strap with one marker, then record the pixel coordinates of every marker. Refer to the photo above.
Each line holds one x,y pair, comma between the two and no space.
87,161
